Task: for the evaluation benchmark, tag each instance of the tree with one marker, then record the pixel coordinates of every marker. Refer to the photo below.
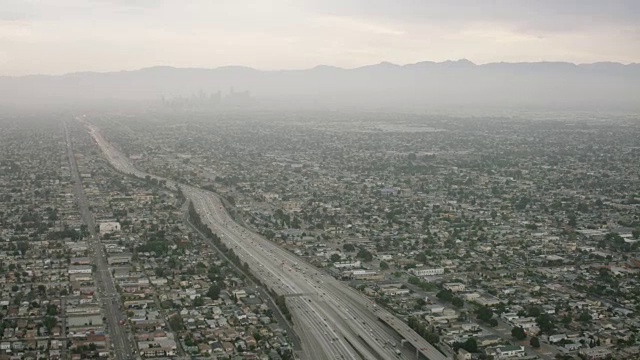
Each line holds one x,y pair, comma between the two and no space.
410,266
214,292
457,302
534,342
471,345
348,247
49,322
52,310
198,301
176,323
160,271
335,258
384,265
445,295
484,313
364,255
431,337
534,311
189,341
615,239
545,323
23,246
518,333
584,317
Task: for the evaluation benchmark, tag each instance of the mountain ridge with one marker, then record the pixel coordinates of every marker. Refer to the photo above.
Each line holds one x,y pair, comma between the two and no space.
333,67
422,85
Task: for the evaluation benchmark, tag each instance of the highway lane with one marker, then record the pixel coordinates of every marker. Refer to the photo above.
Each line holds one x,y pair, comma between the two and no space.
107,293
344,323
323,305
361,309
272,270
370,330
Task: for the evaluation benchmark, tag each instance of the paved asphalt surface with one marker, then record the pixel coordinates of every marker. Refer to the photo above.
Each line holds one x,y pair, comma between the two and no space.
335,321
107,293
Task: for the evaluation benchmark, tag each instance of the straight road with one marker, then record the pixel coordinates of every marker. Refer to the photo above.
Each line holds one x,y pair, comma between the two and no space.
107,293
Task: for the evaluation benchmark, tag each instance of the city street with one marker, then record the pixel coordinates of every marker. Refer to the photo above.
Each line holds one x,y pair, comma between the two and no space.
107,293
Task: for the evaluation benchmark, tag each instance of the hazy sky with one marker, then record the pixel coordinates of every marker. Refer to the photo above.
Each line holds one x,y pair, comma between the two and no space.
59,36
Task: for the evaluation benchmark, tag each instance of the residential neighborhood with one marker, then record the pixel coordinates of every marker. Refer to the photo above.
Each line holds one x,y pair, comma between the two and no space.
179,296
488,246
484,247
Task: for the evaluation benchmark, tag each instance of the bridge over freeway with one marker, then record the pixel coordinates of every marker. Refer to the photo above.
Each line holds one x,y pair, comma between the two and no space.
421,345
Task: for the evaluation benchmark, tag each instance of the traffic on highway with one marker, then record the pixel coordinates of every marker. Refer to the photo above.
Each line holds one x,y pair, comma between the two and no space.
333,320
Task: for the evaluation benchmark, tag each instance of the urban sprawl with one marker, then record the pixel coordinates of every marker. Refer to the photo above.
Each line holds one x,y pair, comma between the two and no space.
466,238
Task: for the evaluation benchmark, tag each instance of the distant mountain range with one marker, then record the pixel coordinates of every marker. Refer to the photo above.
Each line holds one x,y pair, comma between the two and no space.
423,85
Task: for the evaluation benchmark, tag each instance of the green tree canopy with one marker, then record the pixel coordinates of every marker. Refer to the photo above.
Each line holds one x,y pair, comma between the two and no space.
518,333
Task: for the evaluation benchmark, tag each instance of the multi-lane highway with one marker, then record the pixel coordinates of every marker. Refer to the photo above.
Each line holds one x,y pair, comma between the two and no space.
107,292
334,321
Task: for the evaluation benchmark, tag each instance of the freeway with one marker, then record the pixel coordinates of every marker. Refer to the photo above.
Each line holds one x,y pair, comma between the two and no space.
107,292
335,321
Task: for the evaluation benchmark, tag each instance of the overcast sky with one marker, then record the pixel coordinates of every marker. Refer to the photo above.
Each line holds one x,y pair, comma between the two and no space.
60,36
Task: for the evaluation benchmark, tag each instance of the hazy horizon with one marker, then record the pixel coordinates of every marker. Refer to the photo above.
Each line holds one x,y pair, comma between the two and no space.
380,54
320,179
383,62
114,35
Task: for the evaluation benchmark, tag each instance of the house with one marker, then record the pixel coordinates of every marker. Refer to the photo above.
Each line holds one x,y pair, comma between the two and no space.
489,340
509,351
454,287
84,320
80,261
597,352
80,269
463,355
486,301
393,289
525,322
228,347
347,264
427,271
471,296
365,275
435,309
109,226
388,191
557,337
122,258
572,346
